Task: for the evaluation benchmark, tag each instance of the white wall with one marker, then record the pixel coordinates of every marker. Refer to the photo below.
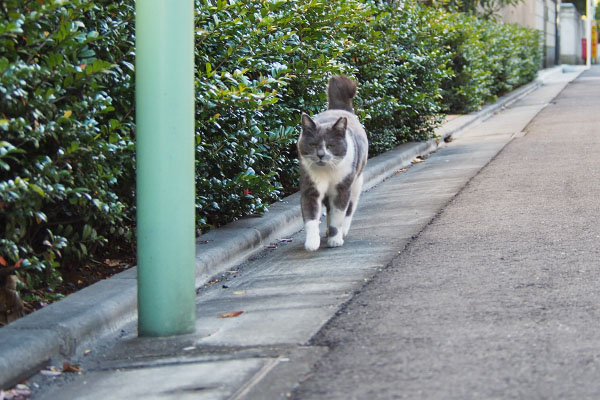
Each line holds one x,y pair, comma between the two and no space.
571,31
535,14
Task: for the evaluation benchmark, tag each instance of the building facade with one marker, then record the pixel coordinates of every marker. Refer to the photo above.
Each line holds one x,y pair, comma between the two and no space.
543,15
572,30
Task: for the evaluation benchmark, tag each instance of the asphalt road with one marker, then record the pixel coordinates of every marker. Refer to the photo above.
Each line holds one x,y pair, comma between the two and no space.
497,298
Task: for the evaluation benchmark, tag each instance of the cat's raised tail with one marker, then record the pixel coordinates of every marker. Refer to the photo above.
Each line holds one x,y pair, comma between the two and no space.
340,92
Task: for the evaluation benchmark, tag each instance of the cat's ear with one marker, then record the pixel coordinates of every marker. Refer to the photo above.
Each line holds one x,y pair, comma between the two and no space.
308,125
340,126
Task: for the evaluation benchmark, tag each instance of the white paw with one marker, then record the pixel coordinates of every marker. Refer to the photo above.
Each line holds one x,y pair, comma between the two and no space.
312,242
335,241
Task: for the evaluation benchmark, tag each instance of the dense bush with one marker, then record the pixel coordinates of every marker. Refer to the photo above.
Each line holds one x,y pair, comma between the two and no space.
66,105
66,148
469,85
487,59
516,55
399,66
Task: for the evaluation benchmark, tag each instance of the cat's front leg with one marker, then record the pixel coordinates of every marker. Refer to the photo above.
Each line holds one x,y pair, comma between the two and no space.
311,213
335,233
313,240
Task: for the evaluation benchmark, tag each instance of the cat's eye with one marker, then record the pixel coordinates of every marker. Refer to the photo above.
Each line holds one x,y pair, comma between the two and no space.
329,146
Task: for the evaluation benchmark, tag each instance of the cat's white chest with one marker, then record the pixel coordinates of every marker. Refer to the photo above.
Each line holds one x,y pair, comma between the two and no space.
325,179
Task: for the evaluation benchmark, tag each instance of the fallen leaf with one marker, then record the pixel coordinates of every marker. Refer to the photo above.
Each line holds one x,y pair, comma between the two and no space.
418,160
285,240
231,314
190,348
239,292
306,377
272,246
112,263
70,367
88,351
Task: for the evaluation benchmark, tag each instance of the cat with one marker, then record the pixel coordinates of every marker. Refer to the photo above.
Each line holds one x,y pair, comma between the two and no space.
333,151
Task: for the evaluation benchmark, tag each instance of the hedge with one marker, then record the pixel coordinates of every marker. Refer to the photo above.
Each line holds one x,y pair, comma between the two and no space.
67,146
488,59
66,128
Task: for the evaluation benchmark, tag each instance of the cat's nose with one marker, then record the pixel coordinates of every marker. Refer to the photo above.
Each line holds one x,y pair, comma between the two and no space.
321,153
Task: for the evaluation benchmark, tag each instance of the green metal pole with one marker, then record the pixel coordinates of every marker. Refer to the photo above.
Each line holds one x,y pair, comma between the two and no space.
165,166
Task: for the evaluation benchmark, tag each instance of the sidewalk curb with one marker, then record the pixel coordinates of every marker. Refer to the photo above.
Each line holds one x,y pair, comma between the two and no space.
63,329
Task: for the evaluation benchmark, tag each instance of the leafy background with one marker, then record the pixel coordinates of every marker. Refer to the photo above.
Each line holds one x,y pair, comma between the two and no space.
67,144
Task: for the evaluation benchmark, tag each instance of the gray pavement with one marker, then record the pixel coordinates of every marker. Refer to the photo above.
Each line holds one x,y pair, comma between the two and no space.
286,294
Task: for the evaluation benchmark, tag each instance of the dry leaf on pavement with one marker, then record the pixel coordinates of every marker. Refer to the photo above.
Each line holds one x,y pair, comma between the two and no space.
231,314
70,367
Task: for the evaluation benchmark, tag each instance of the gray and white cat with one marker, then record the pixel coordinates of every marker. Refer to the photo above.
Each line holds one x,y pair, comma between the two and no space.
332,149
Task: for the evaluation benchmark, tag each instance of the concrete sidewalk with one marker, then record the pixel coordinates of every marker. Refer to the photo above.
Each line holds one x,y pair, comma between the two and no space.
286,294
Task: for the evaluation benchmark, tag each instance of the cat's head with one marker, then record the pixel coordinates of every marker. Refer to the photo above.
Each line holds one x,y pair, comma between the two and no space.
322,144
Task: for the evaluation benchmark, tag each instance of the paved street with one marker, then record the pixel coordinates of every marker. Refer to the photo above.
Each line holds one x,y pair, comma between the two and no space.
472,274
498,297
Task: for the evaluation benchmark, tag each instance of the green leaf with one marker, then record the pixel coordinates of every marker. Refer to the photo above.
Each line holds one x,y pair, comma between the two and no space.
87,231
40,217
37,189
54,59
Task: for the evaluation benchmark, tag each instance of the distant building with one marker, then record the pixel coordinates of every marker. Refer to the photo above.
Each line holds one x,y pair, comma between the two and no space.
543,15
572,30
